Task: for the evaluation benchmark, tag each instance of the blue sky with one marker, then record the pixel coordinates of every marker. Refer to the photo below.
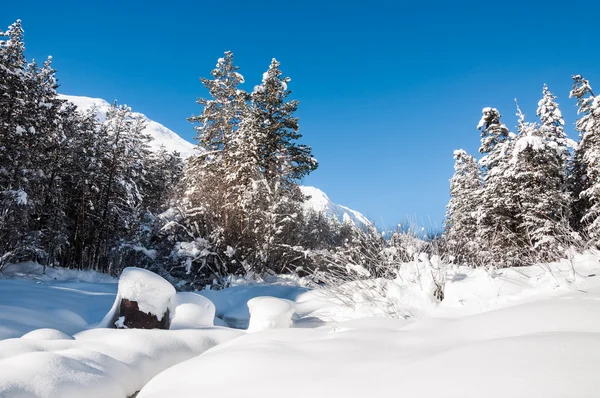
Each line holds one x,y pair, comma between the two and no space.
387,90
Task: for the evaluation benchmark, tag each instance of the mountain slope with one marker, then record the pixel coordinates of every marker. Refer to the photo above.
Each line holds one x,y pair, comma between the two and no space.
161,135
320,202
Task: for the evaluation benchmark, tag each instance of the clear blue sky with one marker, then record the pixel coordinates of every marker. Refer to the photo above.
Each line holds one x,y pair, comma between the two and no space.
387,90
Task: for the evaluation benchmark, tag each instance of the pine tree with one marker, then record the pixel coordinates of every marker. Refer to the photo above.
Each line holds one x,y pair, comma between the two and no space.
222,113
463,210
586,168
276,128
498,223
538,169
121,181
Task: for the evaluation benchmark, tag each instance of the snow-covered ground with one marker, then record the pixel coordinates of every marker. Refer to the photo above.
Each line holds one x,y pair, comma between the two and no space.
522,332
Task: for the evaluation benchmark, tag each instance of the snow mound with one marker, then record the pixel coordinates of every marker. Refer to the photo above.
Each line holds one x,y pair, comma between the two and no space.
320,202
99,363
232,303
153,294
270,313
192,311
46,334
548,348
160,134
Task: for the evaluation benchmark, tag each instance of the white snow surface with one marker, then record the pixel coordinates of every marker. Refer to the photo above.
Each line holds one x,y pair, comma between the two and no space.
98,363
320,202
67,300
161,135
515,332
192,311
270,313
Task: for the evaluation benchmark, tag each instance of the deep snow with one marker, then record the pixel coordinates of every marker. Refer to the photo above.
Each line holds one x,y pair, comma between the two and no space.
522,332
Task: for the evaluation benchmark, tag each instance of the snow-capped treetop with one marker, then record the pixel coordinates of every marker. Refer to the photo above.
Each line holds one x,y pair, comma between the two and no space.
548,111
495,137
12,49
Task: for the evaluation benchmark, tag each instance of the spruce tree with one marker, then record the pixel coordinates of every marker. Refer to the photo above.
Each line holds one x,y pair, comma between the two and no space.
463,210
586,167
538,169
498,224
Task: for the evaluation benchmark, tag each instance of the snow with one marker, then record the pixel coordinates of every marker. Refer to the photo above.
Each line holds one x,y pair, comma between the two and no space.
46,334
270,313
19,196
501,334
232,303
161,135
192,311
98,363
153,294
320,202
514,332
67,300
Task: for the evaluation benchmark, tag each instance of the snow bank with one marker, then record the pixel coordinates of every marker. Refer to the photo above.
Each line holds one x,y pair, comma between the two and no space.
547,348
98,363
47,334
270,313
192,311
232,303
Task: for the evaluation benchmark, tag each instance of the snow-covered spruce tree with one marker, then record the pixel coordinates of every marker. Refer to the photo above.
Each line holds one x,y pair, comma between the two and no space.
586,167
462,216
242,206
538,169
121,179
87,148
30,134
50,152
211,203
164,171
281,157
271,128
498,225
14,118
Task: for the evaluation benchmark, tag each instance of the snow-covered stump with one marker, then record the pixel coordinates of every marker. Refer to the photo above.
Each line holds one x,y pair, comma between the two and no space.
270,313
144,301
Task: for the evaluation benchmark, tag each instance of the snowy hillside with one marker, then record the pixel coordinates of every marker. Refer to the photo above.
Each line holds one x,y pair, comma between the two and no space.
320,202
161,135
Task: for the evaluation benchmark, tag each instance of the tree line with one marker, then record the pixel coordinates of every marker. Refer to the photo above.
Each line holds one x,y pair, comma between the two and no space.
534,194
84,192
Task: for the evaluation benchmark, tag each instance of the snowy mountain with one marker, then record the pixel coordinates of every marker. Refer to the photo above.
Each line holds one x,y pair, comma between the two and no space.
320,202
161,135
